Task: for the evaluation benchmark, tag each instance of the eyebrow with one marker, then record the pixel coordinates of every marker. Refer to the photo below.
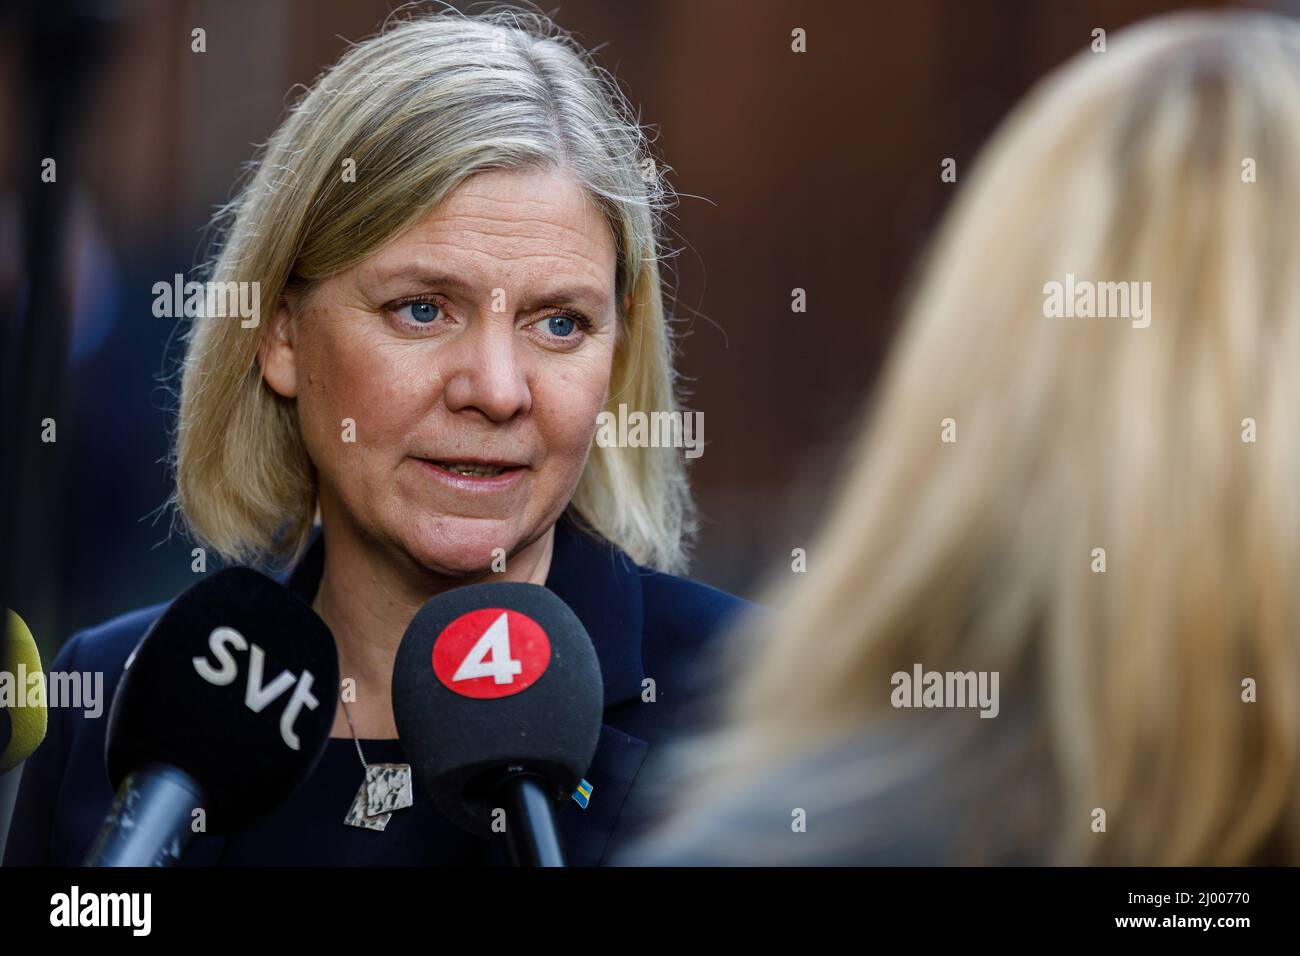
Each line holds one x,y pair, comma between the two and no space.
559,294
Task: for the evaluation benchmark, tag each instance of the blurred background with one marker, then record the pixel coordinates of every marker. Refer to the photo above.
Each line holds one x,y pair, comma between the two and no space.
818,171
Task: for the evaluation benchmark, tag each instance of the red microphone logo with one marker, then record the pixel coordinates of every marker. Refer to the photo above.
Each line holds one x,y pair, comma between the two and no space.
490,653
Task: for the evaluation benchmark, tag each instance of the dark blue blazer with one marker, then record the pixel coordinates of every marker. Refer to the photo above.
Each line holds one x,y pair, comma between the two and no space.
644,624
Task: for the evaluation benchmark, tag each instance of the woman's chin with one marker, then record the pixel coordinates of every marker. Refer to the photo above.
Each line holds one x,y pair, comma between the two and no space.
463,549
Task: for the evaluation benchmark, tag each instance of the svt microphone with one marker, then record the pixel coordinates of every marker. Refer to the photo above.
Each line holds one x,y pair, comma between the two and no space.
497,700
225,707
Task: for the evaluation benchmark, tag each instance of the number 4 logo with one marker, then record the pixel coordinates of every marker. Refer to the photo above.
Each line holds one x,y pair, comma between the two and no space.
495,642
490,653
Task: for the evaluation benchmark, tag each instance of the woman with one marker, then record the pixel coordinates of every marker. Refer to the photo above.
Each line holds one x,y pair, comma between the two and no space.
457,241
1089,521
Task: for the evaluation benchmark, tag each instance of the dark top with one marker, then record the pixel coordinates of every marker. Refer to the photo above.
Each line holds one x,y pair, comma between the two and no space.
644,624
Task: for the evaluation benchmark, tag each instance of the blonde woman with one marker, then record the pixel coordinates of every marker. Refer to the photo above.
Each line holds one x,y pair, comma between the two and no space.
455,246
1052,616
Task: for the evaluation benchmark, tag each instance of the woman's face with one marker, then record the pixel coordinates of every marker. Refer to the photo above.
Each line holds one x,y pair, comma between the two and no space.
473,354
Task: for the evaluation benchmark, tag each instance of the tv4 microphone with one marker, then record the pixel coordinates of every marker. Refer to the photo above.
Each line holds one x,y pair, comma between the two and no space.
224,707
497,698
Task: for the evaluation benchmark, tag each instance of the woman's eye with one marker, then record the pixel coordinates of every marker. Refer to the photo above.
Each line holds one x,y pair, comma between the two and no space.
561,325
564,330
421,313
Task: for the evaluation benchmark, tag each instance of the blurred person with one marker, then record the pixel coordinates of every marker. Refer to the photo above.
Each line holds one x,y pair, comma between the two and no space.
1089,518
442,329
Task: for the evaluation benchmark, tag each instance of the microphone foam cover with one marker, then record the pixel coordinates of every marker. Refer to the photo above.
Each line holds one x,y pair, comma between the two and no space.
251,730
22,727
491,676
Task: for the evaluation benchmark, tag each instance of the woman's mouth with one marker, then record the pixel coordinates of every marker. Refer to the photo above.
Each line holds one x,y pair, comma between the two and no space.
475,475
471,469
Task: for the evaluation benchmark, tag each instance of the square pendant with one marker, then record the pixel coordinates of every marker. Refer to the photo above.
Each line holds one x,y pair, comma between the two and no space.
357,813
390,788
387,787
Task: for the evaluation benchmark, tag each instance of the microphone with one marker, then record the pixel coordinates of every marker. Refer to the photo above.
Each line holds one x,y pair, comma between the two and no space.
497,699
216,717
22,726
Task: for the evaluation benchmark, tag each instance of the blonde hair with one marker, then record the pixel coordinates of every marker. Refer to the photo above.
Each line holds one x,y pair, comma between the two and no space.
1123,689
419,108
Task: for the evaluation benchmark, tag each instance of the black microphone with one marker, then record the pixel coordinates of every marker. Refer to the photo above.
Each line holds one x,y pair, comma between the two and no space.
223,710
497,699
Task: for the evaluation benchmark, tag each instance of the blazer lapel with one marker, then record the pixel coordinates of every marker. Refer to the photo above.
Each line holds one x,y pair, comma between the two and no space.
585,832
603,586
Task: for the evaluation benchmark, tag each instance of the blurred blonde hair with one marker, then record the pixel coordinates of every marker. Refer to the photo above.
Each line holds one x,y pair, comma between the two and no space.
1075,434
420,107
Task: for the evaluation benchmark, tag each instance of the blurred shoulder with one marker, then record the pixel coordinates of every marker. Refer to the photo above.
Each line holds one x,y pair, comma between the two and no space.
612,592
683,603
106,646
683,616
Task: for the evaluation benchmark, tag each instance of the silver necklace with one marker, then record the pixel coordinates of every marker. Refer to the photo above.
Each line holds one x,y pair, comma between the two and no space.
385,787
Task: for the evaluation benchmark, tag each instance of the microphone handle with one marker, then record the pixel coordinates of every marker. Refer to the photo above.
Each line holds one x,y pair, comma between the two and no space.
150,821
530,821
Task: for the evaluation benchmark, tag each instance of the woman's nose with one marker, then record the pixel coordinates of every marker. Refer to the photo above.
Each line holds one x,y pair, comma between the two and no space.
487,373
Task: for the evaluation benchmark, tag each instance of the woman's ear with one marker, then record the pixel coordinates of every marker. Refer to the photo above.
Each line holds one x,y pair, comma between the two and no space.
276,353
